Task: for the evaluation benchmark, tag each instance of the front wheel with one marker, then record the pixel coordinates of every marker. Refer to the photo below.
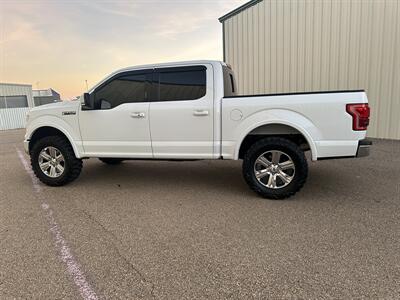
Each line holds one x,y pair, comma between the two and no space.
275,168
53,161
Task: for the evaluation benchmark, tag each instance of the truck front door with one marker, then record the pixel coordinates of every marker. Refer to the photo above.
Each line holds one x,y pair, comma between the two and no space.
119,124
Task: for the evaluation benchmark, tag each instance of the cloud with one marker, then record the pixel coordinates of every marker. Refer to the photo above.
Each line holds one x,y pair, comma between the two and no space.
63,43
124,9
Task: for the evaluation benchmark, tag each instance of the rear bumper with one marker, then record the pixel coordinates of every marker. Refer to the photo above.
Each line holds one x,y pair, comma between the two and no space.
363,148
362,151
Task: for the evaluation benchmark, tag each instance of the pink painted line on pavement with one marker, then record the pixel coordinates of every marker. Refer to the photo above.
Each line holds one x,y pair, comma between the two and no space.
66,256
27,167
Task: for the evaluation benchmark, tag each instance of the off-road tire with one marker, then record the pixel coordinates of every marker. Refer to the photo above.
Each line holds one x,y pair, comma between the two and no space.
285,146
111,161
73,165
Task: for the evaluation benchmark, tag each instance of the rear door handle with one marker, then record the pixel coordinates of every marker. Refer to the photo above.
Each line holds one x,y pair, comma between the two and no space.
138,115
199,113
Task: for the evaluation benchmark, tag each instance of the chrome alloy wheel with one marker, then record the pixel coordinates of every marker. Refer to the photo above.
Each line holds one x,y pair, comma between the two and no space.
274,169
51,162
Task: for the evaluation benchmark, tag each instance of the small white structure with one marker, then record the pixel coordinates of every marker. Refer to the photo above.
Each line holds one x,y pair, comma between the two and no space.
47,96
15,102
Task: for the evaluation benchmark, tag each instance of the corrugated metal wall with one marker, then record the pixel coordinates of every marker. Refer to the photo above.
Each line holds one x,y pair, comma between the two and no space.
11,89
12,118
297,45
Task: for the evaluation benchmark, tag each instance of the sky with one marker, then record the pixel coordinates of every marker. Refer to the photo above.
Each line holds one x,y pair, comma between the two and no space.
61,43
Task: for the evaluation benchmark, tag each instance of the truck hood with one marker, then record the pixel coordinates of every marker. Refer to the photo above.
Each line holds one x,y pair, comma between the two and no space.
73,105
61,115
59,109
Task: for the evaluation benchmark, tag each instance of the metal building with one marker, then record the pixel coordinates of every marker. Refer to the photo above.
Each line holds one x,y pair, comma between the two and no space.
15,102
309,45
41,97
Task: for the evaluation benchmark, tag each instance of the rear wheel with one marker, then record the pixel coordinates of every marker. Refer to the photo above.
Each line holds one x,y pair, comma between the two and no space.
111,161
275,168
53,161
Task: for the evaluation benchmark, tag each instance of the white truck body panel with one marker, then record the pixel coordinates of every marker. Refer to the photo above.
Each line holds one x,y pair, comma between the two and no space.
106,139
51,115
321,118
208,128
184,129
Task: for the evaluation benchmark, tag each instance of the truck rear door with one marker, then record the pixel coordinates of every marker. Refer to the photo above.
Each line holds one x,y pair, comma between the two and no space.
182,112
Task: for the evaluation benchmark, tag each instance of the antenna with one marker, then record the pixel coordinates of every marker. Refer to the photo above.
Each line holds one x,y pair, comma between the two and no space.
87,88
37,84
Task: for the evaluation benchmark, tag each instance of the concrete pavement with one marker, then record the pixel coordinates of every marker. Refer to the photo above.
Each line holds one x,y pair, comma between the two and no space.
185,230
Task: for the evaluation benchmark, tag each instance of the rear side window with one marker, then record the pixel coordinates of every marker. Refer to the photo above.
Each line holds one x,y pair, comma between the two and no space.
129,88
229,82
182,83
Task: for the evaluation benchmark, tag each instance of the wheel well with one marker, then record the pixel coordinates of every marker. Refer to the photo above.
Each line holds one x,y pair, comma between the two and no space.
43,132
269,130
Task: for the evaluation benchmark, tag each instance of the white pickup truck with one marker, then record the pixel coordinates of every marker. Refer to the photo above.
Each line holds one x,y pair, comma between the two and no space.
191,111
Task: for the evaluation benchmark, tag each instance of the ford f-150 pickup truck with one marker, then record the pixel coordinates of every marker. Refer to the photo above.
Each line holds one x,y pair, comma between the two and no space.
191,111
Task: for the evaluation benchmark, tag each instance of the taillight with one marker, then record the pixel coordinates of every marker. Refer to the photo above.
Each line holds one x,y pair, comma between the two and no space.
360,113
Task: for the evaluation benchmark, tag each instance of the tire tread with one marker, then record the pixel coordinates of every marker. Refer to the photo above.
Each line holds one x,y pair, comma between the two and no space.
281,143
74,164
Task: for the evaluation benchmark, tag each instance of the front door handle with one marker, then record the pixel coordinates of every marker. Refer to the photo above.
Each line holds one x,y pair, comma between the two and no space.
138,115
200,113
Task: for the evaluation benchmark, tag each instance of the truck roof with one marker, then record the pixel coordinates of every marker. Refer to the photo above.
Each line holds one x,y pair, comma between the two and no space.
176,63
158,65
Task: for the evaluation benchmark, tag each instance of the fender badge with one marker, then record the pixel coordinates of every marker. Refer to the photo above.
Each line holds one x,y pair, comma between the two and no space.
67,113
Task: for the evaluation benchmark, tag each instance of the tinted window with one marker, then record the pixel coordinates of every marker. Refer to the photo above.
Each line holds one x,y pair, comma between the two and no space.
13,101
2,102
44,100
229,82
124,89
186,83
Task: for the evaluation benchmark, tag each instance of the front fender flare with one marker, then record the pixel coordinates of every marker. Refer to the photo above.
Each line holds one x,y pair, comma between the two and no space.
59,124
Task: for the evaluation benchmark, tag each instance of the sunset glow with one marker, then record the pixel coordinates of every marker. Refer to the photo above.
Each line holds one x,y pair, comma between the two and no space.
60,44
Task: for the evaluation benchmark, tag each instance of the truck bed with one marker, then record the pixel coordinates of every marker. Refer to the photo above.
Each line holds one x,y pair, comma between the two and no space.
320,117
295,93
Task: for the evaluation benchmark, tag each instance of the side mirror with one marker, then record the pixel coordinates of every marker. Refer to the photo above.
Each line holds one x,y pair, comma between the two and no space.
88,102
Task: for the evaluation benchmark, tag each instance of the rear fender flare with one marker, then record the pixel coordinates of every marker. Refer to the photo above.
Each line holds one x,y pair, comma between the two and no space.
282,117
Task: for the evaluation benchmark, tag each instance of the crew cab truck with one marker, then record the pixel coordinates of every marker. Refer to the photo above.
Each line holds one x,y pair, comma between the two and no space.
191,111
